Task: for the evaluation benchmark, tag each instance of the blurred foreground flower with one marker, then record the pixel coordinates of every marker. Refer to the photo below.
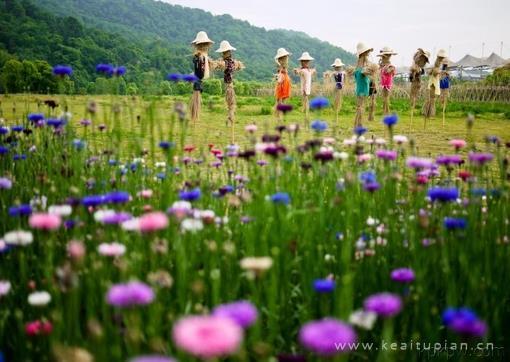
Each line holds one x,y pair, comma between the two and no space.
130,294
383,304
243,312
464,321
327,337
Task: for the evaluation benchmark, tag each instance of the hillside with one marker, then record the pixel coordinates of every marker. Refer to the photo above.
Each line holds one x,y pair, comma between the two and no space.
177,25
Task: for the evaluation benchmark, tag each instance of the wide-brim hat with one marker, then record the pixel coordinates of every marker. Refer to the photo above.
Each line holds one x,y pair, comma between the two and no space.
362,48
202,38
425,53
337,63
442,53
306,56
225,47
281,52
386,51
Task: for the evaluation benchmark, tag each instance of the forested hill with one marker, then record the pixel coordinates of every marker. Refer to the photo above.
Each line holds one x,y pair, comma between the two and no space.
149,19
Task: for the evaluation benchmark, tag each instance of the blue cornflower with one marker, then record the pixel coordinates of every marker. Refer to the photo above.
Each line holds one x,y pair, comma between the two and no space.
3,150
166,145
117,197
367,176
55,122
390,120
18,157
4,130
281,198
190,78
62,70
112,162
226,189
453,223
443,193
318,125
93,200
106,69
324,285
174,77
79,144
319,103
359,130
161,175
119,71
20,210
17,128
35,117
464,321
191,195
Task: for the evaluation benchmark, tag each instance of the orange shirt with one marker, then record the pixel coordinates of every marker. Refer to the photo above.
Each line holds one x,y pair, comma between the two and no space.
282,90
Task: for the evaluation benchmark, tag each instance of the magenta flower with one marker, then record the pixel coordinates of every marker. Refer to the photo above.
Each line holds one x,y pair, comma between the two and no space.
448,160
327,337
419,162
152,358
480,159
242,312
130,294
384,304
207,336
387,155
403,275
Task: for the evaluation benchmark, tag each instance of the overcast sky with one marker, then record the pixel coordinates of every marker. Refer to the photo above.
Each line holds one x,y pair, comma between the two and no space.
403,25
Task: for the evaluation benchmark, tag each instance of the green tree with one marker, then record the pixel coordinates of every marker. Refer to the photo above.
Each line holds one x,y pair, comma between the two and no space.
12,76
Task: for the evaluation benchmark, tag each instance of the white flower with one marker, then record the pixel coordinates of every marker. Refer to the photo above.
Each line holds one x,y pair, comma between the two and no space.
363,319
160,164
112,249
131,224
39,299
380,141
100,215
254,263
39,201
192,225
340,155
329,140
60,210
349,142
371,221
400,139
19,237
5,287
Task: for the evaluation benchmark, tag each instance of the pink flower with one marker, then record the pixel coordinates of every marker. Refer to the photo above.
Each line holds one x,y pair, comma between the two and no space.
145,194
457,143
153,221
76,250
37,327
45,221
251,128
113,249
207,336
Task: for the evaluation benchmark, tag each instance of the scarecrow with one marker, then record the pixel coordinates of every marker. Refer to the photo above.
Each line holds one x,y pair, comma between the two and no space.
338,75
363,74
305,73
283,84
229,65
444,85
201,66
420,59
433,86
387,72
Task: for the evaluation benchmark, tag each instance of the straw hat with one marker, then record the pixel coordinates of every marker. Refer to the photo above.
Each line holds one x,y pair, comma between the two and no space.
305,56
362,48
386,51
442,53
202,38
281,53
225,47
425,53
337,63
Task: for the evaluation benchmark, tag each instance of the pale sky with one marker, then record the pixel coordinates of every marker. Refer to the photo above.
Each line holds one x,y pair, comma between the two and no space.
403,25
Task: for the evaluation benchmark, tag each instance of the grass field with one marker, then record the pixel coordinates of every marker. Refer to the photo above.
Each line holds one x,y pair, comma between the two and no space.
135,238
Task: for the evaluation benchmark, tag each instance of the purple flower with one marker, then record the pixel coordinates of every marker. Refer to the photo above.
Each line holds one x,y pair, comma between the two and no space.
419,162
116,218
448,160
387,155
284,108
119,71
403,275
464,321
130,294
443,194
243,312
117,197
5,183
327,337
93,200
371,186
480,159
20,210
62,70
319,103
384,304
191,195
324,285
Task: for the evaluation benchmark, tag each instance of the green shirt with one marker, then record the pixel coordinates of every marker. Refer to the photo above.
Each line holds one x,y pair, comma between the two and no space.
362,83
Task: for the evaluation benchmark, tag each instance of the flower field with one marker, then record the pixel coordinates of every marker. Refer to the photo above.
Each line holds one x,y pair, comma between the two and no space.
130,234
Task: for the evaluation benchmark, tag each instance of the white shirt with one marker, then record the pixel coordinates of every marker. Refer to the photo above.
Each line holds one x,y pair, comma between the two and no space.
306,80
